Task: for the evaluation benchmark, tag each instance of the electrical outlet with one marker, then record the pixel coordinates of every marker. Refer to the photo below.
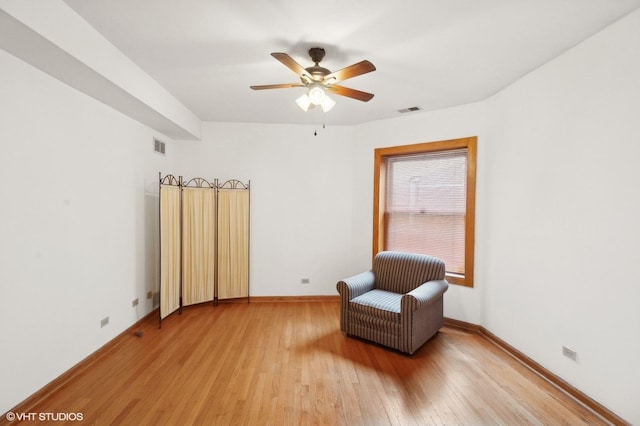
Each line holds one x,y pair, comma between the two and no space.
104,321
569,353
149,295
135,302
305,281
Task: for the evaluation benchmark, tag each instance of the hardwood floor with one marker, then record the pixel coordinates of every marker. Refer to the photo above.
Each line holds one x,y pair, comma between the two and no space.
289,364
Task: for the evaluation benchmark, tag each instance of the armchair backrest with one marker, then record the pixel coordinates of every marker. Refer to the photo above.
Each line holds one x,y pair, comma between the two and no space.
402,272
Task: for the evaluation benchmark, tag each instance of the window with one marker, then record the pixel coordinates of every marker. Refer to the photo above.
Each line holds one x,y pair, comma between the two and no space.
424,202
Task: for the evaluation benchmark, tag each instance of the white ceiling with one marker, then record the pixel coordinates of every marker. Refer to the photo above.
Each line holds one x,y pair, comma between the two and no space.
429,53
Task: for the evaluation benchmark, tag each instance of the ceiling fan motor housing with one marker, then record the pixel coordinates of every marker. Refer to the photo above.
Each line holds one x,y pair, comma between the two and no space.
316,53
317,72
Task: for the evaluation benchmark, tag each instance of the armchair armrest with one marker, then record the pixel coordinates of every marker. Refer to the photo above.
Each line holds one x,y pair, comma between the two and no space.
356,285
425,294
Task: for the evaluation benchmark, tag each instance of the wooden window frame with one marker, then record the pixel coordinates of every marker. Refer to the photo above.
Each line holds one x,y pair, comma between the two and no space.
379,191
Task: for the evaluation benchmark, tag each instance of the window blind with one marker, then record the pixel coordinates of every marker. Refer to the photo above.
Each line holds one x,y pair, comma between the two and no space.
425,205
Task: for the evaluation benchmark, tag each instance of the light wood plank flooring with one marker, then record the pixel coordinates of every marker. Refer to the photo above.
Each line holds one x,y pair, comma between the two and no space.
289,364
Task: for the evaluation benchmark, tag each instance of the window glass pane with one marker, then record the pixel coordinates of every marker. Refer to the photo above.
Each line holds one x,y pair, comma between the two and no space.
426,205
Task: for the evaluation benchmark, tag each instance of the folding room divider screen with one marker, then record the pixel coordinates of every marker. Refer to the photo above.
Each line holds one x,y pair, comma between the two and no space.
204,242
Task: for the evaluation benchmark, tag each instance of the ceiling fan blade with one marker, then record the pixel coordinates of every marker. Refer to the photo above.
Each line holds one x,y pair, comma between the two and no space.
277,86
351,71
290,63
350,93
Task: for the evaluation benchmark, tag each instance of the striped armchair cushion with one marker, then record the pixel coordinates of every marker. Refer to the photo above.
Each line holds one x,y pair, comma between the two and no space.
378,303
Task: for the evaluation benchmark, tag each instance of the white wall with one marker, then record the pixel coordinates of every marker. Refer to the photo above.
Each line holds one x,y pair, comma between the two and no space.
562,208
301,195
75,245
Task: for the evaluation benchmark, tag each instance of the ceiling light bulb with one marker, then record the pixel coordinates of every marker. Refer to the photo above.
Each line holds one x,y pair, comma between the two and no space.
316,94
327,103
304,102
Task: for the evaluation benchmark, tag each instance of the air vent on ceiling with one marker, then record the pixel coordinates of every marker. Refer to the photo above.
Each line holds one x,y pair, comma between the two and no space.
158,146
410,109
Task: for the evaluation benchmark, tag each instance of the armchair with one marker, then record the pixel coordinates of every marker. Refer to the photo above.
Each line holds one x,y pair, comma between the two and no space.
398,303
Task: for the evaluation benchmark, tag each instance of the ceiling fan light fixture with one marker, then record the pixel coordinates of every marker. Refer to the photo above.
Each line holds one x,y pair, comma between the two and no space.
304,102
327,104
316,94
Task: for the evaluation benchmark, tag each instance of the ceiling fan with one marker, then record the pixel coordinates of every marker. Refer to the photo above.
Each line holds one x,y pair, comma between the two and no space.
319,80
